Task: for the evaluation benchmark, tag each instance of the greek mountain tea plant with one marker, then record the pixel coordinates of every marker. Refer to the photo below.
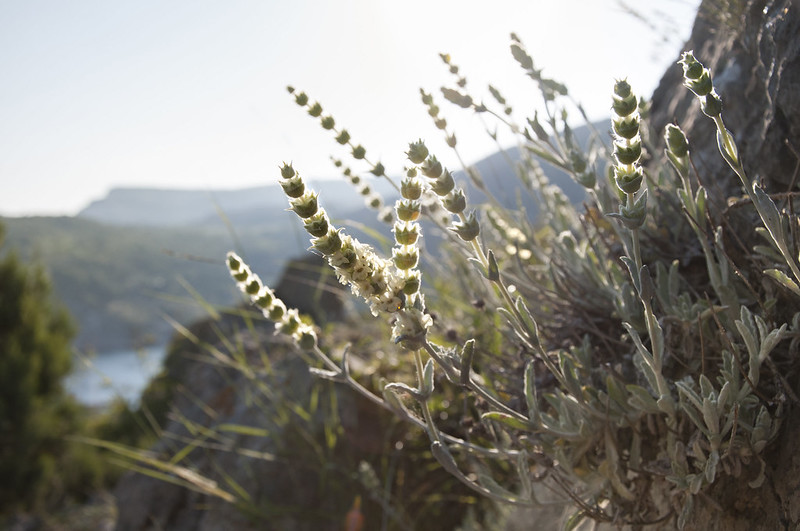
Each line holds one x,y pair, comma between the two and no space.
611,356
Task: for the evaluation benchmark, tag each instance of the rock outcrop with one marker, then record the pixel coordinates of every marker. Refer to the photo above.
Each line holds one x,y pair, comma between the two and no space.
753,51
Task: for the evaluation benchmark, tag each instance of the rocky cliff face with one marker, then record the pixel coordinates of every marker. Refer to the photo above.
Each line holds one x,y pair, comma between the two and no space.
753,51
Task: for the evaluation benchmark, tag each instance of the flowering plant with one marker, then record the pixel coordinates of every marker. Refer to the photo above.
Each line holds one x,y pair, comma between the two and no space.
586,354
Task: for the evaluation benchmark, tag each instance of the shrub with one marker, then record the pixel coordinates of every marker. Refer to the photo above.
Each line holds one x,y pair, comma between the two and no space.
39,467
615,356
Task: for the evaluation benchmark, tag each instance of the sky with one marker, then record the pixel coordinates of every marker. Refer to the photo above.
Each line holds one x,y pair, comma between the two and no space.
97,94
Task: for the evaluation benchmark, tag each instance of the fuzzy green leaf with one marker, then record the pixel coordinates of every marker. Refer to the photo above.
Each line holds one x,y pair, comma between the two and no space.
641,399
711,466
467,352
531,399
784,280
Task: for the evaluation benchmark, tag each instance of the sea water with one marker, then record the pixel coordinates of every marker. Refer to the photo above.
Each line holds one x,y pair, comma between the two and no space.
98,379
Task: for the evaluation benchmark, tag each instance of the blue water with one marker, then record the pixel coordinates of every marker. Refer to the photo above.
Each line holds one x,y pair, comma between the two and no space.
98,380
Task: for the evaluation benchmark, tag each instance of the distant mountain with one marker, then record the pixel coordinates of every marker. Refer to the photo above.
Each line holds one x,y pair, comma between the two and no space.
502,181
176,208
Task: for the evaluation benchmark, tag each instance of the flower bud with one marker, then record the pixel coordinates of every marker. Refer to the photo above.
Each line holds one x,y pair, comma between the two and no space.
378,170
444,184
374,201
628,178
317,225
239,270
406,258
676,141
622,89
451,140
328,244
359,152
277,311
410,328
264,298
307,340
433,110
306,205
293,187
328,122
301,99
253,287
701,86
440,123
407,210
624,102
411,188
315,110
386,215
431,167
628,154
427,98
417,152
412,283
287,172
455,201
365,190
692,68
696,77
711,105
234,262
467,230
347,257
626,126
406,233
343,137
290,323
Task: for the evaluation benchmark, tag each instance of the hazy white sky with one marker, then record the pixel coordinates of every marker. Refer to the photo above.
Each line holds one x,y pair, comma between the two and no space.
191,94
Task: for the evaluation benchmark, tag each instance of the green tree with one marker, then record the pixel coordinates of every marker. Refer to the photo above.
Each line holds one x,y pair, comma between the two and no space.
37,463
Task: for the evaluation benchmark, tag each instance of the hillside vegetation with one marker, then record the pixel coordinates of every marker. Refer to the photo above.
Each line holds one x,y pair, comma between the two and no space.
119,283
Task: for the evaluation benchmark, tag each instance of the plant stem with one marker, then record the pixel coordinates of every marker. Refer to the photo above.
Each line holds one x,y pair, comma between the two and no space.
372,397
731,156
472,386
